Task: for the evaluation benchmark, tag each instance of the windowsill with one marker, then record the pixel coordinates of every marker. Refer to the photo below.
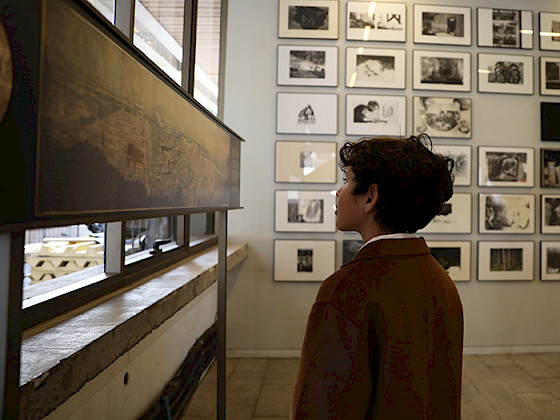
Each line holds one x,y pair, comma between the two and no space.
57,362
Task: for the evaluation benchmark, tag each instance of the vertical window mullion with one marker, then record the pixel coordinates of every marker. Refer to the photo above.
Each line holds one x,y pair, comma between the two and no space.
114,247
189,45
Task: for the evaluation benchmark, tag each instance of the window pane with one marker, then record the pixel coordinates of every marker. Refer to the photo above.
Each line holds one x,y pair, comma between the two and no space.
207,59
158,32
201,227
146,237
106,8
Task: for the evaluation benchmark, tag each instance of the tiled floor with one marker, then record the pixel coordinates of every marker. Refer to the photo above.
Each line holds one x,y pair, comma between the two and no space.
512,387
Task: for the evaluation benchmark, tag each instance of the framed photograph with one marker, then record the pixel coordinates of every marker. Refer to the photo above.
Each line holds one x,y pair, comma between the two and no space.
506,166
505,260
308,19
350,248
376,115
500,73
305,161
306,113
375,67
550,213
454,257
443,117
305,211
506,213
550,76
550,168
448,25
441,70
301,260
549,31
550,121
310,65
376,21
505,28
462,156
550,260
455,217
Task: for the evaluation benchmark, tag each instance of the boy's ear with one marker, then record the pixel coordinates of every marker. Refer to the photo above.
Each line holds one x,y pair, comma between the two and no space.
372,195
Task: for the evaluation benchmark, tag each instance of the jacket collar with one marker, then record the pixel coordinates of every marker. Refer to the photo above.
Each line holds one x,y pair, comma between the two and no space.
385,247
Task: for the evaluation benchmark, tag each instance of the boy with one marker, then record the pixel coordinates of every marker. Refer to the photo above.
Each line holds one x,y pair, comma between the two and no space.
385,334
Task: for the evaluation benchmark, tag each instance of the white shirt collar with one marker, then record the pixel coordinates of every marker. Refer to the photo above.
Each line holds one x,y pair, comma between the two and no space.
390,236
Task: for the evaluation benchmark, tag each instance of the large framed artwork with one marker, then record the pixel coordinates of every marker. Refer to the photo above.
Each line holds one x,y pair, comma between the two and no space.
506,166
376,21
305,161
448,25
505,28
303,260
306,113
501,73
507,260
308,19
375,115
454,257
455,216
550,260
550,213
549,30
550,76
441,70
443,117
462,158
375,67
308,65
305,211
550,168
506,213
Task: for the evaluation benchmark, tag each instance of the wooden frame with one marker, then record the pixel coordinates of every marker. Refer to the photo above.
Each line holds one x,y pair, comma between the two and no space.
506,166
506,260
304,161
506,213
303,260
550,76
505,28
375,21
306,113
550,213
375,67
454,256
550,260
308,19
462,156
304,211
500,73
441,70
549,28
455,216
443,116
375,115
308,65
550,121
550,168
449,25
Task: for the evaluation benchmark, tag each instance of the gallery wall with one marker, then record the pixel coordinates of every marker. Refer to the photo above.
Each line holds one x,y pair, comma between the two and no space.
268,317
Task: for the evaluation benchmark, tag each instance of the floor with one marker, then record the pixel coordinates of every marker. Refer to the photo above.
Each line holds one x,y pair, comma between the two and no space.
512,387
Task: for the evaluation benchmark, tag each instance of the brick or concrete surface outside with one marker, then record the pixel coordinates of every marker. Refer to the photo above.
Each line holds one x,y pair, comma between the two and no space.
495,387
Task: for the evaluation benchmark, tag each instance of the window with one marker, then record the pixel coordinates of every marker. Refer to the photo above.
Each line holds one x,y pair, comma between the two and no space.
202,227
148,237
106,8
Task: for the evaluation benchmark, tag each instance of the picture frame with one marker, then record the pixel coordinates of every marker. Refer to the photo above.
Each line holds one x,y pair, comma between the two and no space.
504,73
550,121
550,213
506,166
303,260
506,260
375,115
549,27
455,216
375,21
350,248
308,19
441,70
306,113
304,211
449,25
375,68
454,257
462,156
306,162
506,213
550,168
550,76
550,260
307,65
505,28
443,116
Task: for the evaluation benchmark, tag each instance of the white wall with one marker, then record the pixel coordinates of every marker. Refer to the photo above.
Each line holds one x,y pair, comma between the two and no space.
268,318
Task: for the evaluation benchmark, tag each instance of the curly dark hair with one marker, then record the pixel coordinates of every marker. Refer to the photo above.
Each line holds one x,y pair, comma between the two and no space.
413,182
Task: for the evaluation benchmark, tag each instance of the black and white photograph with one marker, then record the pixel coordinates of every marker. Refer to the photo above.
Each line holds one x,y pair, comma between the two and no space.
306,162
505,28
550,213
501,73
376,21
550,121
549,28
350,248
375,115
550,260
443,117
442,25
305,211
506,260
441,70
506,166
454,257
506,213
303,260
307,65
550,76
308,19
306,113
455,216
372,67
462,158
550,168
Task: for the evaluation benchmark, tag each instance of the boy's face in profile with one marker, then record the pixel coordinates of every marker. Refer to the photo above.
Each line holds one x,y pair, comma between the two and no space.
349,211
